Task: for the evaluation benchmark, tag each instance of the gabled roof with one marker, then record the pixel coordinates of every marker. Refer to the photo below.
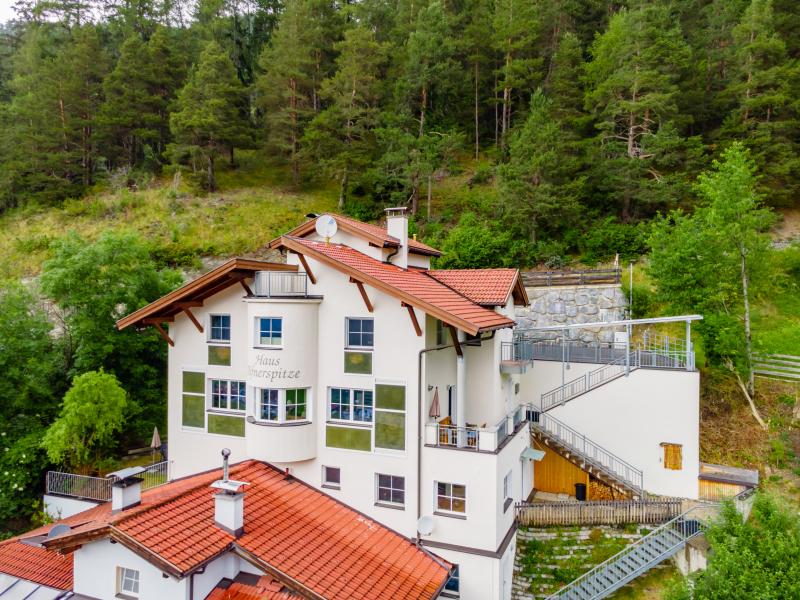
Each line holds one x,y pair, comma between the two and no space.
487,287
302,537
374,234
197,290
36,564
251,587
411,286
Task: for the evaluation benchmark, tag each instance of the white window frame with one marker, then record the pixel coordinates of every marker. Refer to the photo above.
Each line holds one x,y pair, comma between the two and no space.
211,337
326,483
456,576
449,495
347,344
257,331
441,333
281,393
210,401
508,490
352,406
392,490
125,576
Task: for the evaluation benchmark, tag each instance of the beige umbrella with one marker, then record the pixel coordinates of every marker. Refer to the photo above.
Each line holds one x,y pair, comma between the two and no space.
435,412
155,444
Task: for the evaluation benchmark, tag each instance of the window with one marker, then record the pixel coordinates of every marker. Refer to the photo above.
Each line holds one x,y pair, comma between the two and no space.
351,405
270,331
391,489
673,456
508,491
453,584
295,405
332,477
451,497
228,395
127,582
220,328
360,333
269,405
193,413
390,416
441,333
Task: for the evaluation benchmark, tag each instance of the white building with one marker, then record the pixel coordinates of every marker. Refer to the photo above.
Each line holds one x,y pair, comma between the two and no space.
404,393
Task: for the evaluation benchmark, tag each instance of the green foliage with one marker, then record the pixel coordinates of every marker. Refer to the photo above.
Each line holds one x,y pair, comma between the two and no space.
94,284
609,237
92,413
759,558
474,244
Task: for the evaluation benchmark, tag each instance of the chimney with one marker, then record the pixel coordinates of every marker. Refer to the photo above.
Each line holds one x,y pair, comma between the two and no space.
397,226
126,490
228,501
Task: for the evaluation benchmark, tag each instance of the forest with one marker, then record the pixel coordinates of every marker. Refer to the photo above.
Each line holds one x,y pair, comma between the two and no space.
561,130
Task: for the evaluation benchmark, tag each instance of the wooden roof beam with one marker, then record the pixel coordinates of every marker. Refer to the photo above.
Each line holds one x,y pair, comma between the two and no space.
456,343
413,315
193,319
309,273
163,333
363,293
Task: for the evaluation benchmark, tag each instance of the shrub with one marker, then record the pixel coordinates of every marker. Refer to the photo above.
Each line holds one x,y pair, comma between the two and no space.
610,237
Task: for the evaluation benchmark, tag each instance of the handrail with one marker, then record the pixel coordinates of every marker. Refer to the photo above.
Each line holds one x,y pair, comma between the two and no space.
98,489
590,451
587,382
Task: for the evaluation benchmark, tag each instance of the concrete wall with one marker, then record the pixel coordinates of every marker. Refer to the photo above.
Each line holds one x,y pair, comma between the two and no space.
633,415
558,305
59,507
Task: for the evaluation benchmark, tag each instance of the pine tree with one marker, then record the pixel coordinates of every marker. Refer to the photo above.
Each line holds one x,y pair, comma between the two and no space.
210,114
341,138
633,92
563,85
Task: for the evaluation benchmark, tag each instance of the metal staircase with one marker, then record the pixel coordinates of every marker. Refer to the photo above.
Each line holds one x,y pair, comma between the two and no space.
641,556
586,454
588,381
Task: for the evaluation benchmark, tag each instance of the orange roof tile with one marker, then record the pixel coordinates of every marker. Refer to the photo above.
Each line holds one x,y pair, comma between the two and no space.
288,526
487,287
264,588
373,233
410,285
36,564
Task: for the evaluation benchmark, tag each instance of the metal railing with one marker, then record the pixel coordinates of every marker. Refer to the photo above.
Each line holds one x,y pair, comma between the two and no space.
98,489
585,277
457,437
517,351
487,439
276,284
597,512
588,381
590,452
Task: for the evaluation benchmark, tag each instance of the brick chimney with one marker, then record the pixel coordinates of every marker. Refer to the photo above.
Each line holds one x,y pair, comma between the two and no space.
397,226
229,501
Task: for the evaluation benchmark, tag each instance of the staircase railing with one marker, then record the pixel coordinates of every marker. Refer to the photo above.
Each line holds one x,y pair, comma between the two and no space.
589,451
588,381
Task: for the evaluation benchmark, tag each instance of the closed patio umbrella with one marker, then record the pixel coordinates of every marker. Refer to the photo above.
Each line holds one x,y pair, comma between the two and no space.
155,443
435,412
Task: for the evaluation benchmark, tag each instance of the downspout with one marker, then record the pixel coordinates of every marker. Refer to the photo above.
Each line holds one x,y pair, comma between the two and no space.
419,421
388,261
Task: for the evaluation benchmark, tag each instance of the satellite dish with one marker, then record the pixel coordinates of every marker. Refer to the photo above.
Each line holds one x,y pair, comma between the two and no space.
326,227
425,525
58,530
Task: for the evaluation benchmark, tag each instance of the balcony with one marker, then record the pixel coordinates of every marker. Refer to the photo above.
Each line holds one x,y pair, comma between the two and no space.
516,357
473,438
280,284
98,489
290,441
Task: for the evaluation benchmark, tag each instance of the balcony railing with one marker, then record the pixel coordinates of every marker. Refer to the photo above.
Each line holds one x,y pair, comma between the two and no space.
485,439
281,284
98,489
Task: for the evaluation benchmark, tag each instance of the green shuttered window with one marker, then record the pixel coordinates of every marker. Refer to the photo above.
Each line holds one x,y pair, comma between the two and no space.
390,417
193,413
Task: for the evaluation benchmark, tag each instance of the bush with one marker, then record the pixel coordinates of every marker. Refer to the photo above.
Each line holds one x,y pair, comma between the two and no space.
610,237
475,244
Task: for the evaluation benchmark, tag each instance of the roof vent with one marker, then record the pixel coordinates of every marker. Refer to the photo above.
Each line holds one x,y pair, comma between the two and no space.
228,501
126,490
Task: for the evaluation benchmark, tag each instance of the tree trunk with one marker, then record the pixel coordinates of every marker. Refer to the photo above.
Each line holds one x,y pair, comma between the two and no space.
747,334
422,104
293,134
477,134
231,157
343,188
430,176
211,180
415,193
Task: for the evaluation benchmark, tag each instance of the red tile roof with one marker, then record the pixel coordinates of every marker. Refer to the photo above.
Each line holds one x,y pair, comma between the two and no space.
36,564
487,287
373,233
314,540
412,286
265,588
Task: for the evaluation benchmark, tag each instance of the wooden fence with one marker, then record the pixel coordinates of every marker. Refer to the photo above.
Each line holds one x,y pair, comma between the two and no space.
588,277
606,512
777,366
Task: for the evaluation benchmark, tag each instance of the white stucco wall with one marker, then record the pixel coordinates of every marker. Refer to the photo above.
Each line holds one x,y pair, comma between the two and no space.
59,507
633,415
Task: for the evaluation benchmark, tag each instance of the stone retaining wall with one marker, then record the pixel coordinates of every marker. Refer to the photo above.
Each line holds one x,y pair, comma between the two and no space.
574,304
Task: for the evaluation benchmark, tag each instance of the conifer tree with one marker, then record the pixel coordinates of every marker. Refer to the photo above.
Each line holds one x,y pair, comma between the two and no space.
210,115
341,138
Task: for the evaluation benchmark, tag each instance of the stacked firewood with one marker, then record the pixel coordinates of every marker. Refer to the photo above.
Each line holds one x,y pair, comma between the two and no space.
600,491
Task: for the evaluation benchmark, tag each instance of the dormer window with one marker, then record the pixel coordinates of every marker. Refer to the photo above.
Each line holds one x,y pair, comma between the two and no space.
127,583
360,333
220,330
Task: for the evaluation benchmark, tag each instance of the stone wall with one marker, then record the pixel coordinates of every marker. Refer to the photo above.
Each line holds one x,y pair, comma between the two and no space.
574,304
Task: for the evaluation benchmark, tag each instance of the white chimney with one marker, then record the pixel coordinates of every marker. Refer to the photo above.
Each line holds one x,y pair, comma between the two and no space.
397,226
126,490
228,501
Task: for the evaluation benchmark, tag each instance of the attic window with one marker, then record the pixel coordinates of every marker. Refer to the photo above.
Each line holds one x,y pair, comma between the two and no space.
127,583
673,456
